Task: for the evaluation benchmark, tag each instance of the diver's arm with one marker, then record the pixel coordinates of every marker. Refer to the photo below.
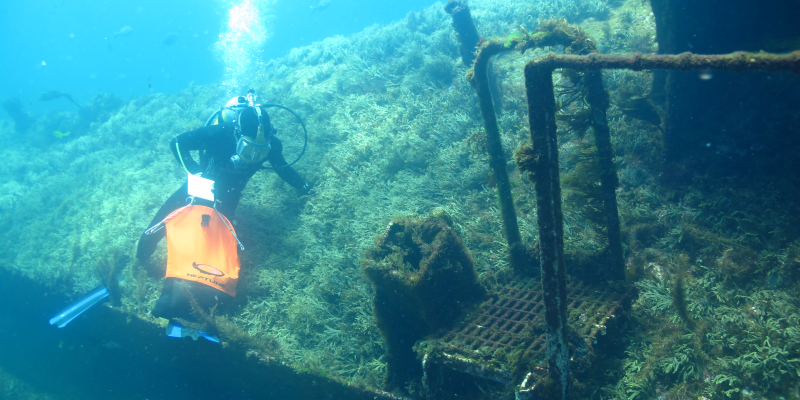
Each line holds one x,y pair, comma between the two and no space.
187,141
287,173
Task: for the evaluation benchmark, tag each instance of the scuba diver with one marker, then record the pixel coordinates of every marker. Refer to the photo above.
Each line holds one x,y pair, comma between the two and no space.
202,255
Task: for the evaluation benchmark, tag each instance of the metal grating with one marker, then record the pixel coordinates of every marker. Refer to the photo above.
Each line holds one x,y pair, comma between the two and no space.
515,317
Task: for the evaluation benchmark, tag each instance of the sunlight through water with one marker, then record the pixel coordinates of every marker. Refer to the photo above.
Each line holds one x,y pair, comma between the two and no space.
239,45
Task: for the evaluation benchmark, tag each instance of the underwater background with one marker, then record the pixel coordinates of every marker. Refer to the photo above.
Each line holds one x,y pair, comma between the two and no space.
707,197
80,48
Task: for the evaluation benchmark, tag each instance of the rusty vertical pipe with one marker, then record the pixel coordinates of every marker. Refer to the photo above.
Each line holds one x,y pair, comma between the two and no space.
541,115
497,159
479,79
466,33
597,97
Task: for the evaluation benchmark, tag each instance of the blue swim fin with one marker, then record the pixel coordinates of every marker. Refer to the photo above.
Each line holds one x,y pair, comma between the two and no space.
174,329
77,308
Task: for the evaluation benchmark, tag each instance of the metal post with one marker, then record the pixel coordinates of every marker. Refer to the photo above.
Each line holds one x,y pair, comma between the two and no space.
497,159
598,101
541,114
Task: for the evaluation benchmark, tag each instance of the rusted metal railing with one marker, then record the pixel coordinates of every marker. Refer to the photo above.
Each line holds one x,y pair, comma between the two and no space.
541,114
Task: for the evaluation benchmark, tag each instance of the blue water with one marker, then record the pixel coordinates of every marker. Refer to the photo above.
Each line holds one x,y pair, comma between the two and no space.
69,46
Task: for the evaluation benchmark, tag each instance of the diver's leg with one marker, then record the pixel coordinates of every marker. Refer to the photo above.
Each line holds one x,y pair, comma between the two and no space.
179,296
147,243
164,305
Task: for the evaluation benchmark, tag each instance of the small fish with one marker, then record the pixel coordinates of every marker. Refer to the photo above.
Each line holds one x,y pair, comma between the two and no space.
124,31
55,94
323,4
60,135
169,39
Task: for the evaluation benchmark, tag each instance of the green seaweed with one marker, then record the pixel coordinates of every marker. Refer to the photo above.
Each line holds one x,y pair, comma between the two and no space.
424,281
391,113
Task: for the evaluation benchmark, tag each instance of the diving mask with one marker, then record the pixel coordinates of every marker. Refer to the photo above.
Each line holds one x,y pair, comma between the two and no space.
254,149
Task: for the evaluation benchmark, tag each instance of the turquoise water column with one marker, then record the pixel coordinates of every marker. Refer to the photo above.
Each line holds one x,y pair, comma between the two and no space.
239,46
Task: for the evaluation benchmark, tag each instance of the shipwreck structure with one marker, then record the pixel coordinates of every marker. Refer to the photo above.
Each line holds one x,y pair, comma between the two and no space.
542,334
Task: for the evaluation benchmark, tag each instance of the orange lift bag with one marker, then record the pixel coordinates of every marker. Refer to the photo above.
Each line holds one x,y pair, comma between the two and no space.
201,247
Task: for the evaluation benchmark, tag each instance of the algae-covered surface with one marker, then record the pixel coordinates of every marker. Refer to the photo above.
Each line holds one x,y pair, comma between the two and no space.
394,130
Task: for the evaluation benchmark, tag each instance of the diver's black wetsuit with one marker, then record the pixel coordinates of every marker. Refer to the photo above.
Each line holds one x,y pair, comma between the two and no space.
217,145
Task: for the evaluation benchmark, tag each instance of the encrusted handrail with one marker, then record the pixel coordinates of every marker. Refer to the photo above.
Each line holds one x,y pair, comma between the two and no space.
479,80
541,114
737,61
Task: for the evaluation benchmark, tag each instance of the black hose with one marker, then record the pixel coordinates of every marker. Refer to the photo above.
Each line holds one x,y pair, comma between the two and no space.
214,115
305,133
270,105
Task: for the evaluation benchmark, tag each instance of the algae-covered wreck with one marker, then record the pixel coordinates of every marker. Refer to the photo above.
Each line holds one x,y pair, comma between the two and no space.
563,215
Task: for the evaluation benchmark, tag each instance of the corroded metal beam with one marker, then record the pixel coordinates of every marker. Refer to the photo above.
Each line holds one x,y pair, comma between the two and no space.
597,98
466,33
479,80
542,119
738,61
541,114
